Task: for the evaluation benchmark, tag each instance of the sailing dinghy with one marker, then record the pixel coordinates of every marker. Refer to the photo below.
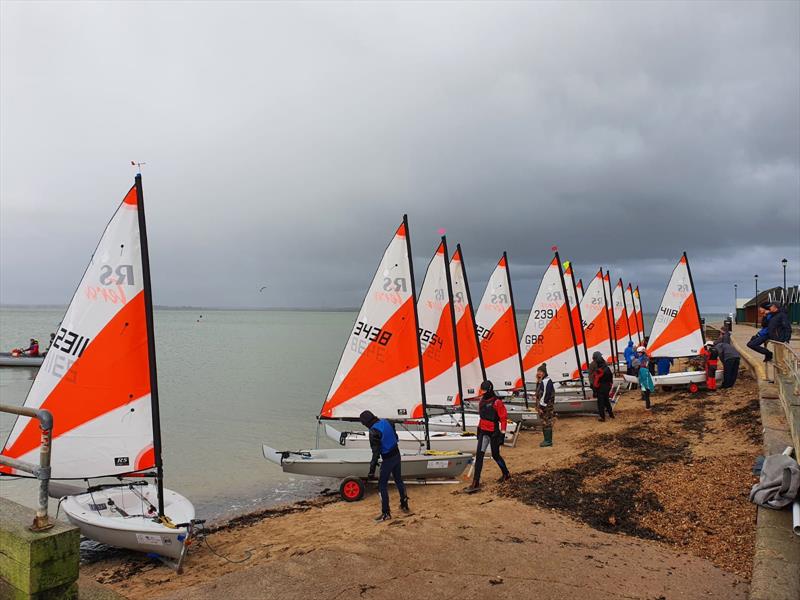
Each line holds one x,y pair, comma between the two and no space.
10,359
380,370
99,382
677,331
633,320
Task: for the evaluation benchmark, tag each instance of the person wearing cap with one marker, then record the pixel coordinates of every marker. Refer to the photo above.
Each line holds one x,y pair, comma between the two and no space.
600,382
383,442
491,433
32,349
642,362
545,404
710,356
775,326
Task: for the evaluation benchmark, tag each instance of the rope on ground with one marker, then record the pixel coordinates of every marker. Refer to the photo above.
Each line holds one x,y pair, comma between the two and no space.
248,552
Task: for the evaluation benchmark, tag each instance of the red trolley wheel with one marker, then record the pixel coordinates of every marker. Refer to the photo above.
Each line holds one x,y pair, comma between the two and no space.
351,489
693,388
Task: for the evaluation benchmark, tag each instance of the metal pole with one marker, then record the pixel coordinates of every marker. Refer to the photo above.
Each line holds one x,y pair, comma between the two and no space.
151,345
41,522
455,332
755,318
785,289
735,303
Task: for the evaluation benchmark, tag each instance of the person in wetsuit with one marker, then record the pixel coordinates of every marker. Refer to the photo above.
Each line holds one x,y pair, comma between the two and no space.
383,442
33,349
491,433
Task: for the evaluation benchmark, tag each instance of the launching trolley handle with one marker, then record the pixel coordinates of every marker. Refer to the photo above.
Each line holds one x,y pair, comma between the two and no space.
41,521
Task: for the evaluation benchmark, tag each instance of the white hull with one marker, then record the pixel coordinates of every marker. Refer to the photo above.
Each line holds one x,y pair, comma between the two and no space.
352,462
6,360
441,441
103,521
677,378
452,422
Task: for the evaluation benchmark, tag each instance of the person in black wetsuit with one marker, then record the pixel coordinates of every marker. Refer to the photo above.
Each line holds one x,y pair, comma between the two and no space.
491,433
383,441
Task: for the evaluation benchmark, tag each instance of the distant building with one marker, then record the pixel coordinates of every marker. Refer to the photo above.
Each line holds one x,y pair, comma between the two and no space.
747,311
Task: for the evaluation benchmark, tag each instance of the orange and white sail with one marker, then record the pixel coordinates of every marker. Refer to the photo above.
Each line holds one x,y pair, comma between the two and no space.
436,334
469,355
575,309
677,330
633,322
579,287
95,379
621,331
497,331
637,303
379,369
596,320
610,308
548,336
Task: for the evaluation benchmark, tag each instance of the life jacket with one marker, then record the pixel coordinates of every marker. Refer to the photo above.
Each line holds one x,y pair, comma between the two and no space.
490,420
388,435
34,351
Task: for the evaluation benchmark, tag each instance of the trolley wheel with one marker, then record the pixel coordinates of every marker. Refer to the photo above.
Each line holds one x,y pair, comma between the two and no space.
693,388
351,489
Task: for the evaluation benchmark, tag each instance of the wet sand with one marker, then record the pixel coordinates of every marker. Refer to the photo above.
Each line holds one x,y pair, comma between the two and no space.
650,505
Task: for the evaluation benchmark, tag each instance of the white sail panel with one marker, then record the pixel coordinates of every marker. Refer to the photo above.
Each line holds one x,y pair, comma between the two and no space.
436,335
611,316
637,302
597,325
497,331
468,351
547,337
579,287
379,367
95,378
677,330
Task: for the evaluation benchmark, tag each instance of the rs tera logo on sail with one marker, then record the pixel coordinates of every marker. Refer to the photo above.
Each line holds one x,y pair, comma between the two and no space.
111,284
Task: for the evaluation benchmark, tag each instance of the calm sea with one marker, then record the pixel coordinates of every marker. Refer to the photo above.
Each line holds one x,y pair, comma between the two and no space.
228,382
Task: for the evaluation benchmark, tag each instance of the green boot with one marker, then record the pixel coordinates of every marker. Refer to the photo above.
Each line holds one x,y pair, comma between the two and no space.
548,438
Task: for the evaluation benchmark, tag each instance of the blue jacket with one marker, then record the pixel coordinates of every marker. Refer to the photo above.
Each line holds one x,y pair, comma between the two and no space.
663,364
629,352
382,441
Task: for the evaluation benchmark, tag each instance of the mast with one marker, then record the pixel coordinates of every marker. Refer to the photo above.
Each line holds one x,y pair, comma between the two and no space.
151,345
416,329
471,310
571,324
694,295
516,333
580,319
455,332
612,327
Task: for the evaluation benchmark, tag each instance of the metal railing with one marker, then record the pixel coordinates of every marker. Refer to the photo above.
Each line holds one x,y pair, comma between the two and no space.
41,521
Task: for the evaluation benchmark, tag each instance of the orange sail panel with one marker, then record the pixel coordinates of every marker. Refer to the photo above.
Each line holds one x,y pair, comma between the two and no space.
621,331
547,337
596,322
677,330
468,352
436,334
95,378
379,369
637,302
633,322
497,331
610,309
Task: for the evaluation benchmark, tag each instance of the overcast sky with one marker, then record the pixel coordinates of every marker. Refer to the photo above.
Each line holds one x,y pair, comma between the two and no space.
284,142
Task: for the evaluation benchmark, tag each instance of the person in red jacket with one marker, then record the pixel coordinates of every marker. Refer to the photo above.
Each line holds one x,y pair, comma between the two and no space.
711,356
33,349
491,433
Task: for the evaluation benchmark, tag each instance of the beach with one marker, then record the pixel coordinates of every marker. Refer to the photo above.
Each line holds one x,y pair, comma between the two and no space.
602,514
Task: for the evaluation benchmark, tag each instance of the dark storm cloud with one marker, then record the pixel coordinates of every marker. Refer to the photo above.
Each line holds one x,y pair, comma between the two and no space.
284,142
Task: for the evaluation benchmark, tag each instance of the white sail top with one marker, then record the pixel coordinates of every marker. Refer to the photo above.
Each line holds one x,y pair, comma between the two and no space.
436,334
637,303
610,303
95,379
379,369
596,322
497,331
468,352
547,337
677,330
579,287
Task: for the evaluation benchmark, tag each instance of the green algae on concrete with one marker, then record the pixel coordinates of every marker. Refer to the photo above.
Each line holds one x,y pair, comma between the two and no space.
36,566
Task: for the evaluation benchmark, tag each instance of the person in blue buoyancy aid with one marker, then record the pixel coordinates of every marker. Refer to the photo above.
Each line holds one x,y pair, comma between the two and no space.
383,441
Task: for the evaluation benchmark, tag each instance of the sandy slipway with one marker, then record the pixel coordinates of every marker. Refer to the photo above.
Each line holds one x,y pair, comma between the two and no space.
651,505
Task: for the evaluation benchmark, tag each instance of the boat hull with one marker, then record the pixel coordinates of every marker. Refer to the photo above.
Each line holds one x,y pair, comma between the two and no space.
441,441
353,462
100,521
6,360
677,378
452,422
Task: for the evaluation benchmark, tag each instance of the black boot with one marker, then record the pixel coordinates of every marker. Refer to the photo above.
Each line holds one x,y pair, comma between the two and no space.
404,504
384,516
